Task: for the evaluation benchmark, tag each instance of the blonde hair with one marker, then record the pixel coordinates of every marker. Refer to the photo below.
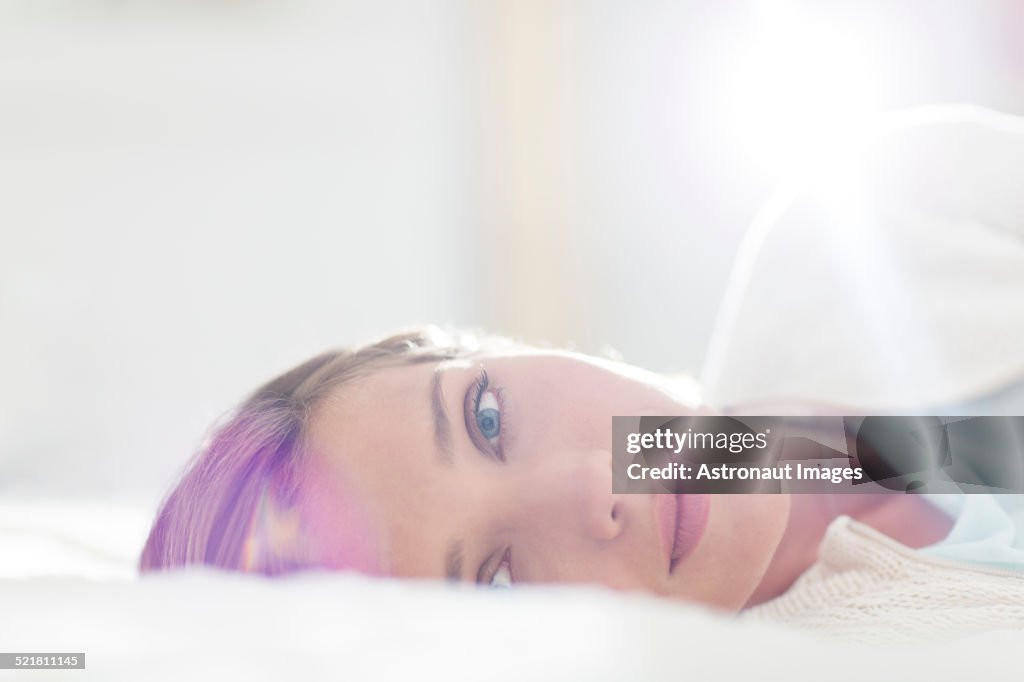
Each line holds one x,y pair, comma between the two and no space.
216,512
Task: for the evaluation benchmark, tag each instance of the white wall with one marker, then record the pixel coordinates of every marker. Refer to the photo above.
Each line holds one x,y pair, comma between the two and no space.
195,195
193,201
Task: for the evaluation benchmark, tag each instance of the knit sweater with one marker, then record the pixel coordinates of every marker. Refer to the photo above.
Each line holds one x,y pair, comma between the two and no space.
867,587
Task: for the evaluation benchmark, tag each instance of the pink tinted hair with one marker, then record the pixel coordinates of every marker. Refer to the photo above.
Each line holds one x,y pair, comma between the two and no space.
212,515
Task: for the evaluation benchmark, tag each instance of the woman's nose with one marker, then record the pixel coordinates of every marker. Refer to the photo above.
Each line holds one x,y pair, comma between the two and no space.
581,494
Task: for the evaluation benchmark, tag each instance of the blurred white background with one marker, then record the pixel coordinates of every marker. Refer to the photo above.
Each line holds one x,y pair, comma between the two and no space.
196,195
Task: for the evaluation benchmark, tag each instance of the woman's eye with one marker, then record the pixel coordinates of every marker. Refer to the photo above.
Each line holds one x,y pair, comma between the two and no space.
488,416
484,410
503,576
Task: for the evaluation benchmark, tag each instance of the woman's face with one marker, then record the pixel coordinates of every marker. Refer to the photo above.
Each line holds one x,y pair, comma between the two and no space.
498,468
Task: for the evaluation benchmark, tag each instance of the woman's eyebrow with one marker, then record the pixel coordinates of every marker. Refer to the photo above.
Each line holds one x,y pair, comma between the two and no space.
442,425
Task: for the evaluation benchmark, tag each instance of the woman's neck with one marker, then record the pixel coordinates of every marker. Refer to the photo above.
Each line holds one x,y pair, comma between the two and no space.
908,519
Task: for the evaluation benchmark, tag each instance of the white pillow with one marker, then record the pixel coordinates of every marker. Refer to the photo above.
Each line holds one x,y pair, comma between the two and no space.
891,278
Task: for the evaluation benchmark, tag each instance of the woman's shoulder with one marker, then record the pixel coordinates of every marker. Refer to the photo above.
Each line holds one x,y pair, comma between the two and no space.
868,587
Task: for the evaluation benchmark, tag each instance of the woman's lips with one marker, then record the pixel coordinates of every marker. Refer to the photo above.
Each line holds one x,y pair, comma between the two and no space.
682,520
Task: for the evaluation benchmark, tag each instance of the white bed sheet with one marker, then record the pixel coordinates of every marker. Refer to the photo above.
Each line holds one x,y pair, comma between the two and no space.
201,625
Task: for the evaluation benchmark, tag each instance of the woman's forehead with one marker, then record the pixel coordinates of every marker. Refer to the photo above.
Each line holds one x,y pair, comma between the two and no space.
364,444
375,447
386,407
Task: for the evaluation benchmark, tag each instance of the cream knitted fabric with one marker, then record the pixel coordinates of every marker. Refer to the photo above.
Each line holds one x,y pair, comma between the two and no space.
867,587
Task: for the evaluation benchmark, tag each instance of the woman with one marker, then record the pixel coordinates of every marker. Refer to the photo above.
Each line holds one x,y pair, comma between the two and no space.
443,455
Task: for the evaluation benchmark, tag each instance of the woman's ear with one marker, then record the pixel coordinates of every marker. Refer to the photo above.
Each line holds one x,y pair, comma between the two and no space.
277,540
